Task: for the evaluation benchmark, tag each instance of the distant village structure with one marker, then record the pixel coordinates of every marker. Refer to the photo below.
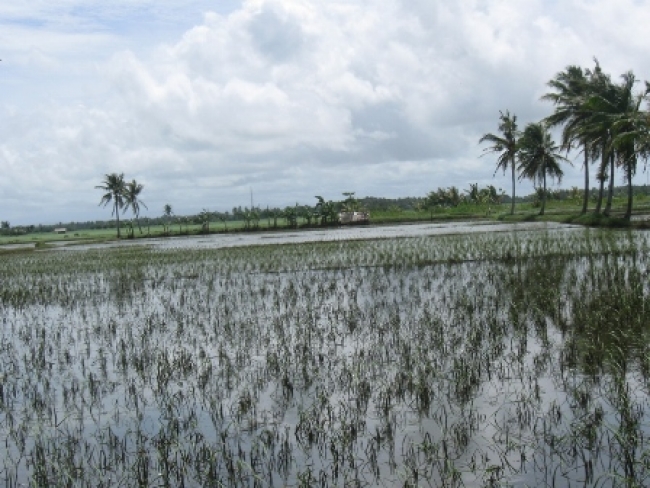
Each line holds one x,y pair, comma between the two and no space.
349,218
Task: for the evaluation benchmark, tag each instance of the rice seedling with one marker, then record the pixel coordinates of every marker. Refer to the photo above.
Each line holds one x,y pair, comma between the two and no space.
509,358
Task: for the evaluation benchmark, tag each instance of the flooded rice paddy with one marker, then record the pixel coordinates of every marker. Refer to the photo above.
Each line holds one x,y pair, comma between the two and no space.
492,359
239,239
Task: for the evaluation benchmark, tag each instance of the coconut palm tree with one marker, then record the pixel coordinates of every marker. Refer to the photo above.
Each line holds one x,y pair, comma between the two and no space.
571,88
132,200
473,194
631,131
326,211
204,218
618,123
505,145
114,187
604,102
539,157
167,212
350,204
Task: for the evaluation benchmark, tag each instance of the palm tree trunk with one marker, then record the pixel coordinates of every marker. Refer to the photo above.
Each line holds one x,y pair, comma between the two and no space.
601,177
610,191
512,206
541,212
601,191
630,195
117,217
585,201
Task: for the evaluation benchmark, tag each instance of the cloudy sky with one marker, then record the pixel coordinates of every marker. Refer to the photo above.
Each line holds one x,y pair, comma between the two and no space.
202,101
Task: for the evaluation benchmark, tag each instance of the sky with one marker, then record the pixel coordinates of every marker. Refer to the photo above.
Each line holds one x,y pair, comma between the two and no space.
205,102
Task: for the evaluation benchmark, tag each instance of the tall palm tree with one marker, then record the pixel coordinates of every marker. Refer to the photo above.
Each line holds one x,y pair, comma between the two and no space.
604,103
506,145
132,200
473,194
539,157
350,204
631,131
114,187
168,212
204,218
571,89
326,211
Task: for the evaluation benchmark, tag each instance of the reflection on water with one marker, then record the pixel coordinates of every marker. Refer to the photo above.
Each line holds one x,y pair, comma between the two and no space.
505,358
217,241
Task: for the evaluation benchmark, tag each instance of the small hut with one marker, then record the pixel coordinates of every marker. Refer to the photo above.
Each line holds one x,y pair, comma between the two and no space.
352,218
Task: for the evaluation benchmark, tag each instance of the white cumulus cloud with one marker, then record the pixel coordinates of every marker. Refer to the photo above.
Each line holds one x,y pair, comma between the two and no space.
293,98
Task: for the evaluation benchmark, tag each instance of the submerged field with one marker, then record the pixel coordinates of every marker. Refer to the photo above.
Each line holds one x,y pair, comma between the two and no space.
486,360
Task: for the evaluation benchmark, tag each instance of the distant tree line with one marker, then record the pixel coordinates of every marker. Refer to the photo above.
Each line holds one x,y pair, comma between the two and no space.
275,215
122,196
608,122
